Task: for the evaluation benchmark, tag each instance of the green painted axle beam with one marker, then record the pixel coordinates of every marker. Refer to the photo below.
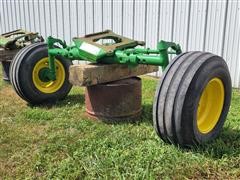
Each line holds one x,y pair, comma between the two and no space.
93,52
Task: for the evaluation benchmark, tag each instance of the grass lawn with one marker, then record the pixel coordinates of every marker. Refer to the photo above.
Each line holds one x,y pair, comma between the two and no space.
62,142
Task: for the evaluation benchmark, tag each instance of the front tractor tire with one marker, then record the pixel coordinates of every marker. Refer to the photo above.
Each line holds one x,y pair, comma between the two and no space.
192,99
25,75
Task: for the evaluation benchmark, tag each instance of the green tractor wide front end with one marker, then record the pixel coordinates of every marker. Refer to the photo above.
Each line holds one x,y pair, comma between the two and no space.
109,48
192,99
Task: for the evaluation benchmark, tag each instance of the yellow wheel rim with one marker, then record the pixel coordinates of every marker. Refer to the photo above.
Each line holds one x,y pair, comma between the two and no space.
210,105
49,86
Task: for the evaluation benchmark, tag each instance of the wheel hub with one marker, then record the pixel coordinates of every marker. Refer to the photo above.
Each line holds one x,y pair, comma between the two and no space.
41,79
43,74
210,105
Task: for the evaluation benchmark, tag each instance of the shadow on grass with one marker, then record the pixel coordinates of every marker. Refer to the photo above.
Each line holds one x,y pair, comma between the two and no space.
147,115
69,101
227,144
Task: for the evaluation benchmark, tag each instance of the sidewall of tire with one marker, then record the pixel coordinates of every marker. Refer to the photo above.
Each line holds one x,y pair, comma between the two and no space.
211,69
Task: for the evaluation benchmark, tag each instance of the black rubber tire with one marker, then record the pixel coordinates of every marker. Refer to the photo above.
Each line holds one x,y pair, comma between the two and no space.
21,75
178,94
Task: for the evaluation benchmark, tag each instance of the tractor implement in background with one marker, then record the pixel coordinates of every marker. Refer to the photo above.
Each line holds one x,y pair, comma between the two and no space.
11,43
191,101
18,39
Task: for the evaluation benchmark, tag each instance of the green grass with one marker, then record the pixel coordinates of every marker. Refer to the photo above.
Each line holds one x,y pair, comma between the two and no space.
61,142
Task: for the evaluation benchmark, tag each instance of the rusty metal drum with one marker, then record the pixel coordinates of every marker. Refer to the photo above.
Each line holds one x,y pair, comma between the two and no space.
115,100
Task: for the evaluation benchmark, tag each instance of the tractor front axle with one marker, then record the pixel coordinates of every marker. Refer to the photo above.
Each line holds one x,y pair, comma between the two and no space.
116,50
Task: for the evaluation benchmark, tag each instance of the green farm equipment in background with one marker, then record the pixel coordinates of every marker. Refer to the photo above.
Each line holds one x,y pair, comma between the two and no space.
192,98
18,39
11,43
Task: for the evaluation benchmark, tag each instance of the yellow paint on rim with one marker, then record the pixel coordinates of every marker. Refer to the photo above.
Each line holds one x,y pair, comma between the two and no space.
210,105
50,86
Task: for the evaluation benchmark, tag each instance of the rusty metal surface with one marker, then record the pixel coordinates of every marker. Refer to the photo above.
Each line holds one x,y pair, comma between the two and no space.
121,41
7,55
119,99
12,42
5,70
18,39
